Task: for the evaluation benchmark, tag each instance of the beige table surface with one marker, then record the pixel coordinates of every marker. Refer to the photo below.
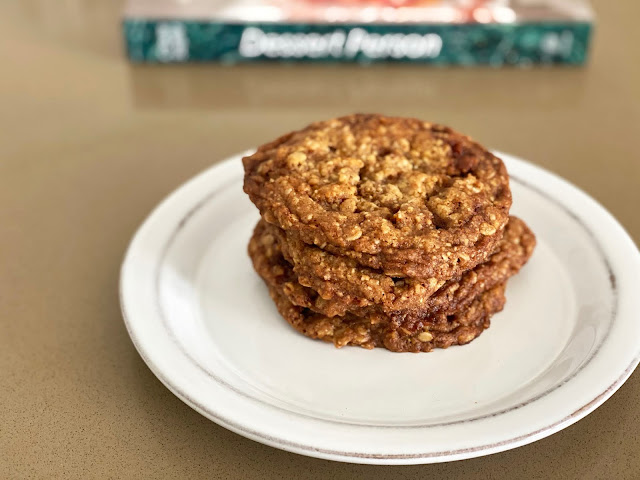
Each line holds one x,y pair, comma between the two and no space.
89,144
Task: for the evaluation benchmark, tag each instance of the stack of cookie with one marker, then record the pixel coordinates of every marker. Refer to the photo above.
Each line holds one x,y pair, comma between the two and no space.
384,232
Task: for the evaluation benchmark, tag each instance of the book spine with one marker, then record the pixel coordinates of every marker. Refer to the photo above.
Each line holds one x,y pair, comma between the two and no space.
162,41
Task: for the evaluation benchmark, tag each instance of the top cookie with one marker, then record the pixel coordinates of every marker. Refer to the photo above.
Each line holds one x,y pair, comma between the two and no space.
405,196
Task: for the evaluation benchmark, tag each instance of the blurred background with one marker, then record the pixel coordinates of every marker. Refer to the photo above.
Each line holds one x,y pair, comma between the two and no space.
66,76
98,122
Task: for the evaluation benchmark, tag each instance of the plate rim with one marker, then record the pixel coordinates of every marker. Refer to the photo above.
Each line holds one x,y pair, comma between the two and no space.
357,457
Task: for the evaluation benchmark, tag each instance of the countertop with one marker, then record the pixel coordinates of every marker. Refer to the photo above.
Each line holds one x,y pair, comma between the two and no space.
89,144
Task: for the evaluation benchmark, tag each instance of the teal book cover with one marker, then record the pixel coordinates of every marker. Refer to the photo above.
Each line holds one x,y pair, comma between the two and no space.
439,32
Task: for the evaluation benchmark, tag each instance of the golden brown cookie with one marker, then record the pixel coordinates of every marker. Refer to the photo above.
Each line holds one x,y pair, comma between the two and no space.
455,319
332,285
382,331
400,195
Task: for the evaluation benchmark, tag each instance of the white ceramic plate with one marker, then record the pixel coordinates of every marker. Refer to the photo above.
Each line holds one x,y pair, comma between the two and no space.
204,323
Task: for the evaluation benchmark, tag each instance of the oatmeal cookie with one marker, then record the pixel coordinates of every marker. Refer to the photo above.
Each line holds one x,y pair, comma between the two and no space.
387,332
407,197
417,331
332,285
